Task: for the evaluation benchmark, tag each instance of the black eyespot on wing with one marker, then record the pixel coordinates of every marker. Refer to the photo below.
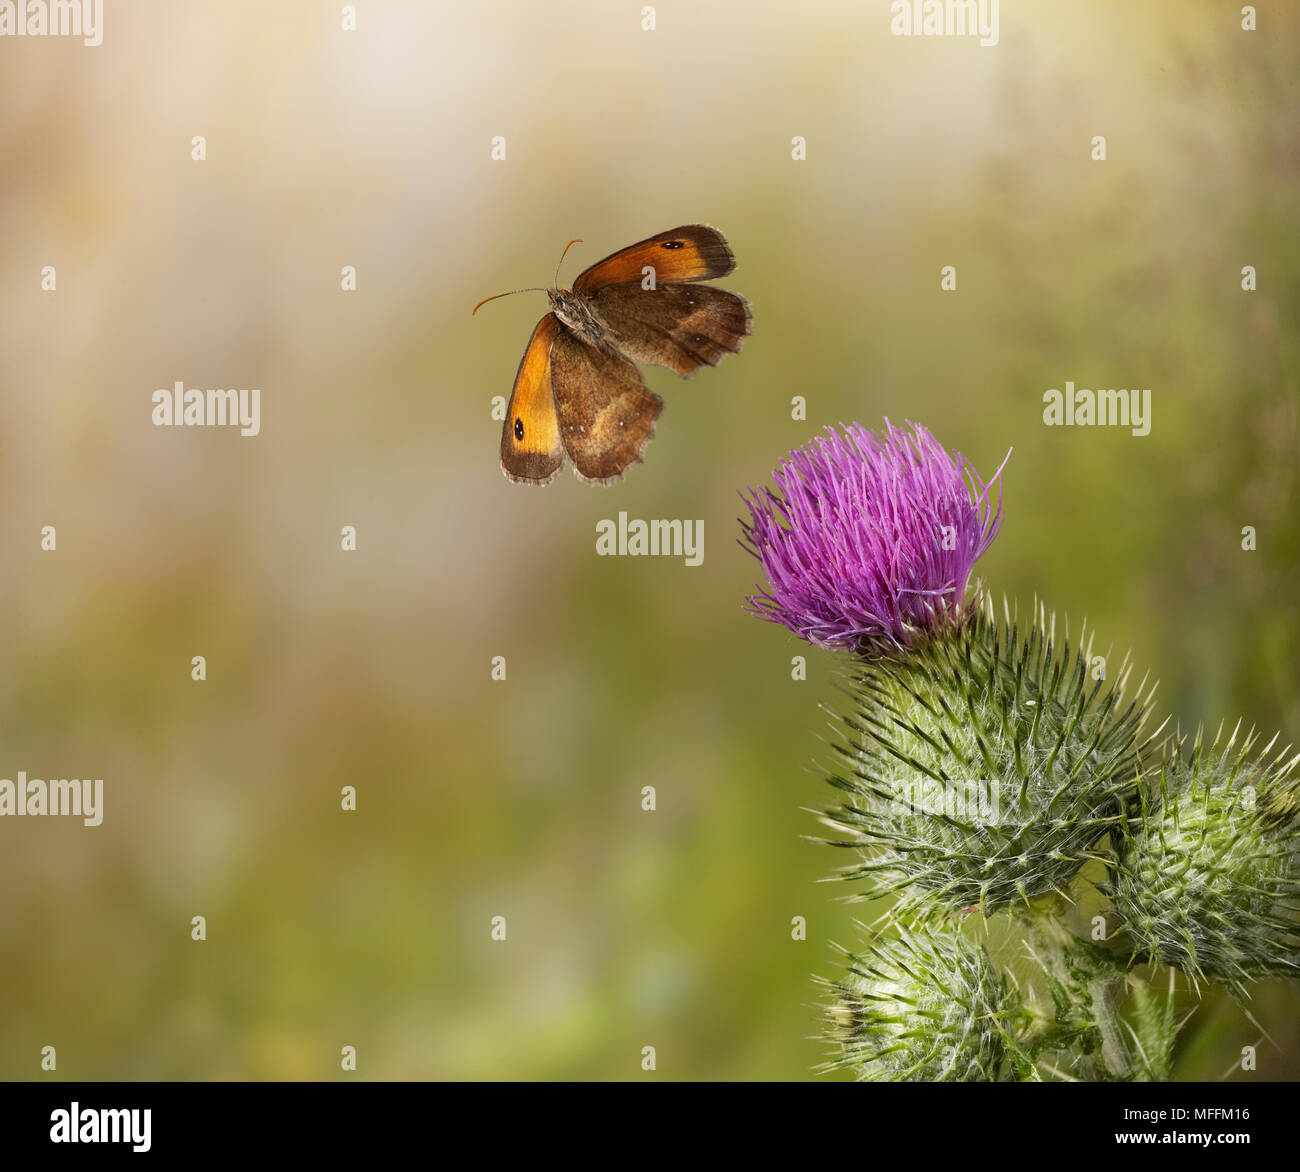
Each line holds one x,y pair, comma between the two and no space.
673,244
519,430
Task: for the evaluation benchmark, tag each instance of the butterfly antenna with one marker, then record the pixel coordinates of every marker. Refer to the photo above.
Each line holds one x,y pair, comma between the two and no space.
494,296
575,240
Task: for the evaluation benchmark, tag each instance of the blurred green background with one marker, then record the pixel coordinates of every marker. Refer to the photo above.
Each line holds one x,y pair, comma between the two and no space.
522,798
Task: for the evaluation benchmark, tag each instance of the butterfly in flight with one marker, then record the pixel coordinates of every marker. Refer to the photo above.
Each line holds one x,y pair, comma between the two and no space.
578,391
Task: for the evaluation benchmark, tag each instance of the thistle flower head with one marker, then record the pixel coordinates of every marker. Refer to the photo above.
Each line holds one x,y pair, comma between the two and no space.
869,538
1209,881
924,1007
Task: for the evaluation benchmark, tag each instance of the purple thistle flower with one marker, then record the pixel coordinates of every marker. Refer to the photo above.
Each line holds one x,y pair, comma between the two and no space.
869,538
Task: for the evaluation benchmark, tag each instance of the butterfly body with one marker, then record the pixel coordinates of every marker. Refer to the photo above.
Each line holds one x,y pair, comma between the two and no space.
578,392
579,314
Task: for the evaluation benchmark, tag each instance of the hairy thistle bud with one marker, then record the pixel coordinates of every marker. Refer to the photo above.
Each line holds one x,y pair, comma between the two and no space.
923,1007
1208,881
983,769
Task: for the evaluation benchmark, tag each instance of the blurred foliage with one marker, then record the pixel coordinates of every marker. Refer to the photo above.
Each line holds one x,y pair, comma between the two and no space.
325,669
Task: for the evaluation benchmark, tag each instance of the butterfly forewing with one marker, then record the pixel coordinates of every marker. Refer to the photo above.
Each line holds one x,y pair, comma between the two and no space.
693,252
530,438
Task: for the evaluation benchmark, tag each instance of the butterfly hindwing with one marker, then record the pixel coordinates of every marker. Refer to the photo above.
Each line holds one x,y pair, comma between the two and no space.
682,327
607,415
531,451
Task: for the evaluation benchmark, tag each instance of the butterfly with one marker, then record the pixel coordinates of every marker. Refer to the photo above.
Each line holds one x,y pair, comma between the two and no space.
578,391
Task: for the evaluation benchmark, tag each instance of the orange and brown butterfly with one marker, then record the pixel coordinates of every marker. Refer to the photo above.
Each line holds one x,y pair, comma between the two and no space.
578,391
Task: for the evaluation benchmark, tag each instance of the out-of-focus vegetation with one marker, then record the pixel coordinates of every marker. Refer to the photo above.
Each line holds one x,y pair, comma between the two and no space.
372,669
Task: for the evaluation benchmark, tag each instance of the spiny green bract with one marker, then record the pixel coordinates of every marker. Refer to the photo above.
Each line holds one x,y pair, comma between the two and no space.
1209,880
984,769
923,1007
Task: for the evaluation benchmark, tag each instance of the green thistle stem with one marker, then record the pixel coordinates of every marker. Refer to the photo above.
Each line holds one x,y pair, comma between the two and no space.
1155,1029
1085,983
1105,992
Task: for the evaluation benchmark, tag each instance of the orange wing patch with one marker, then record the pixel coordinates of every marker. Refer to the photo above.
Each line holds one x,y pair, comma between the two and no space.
531,451
693,252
